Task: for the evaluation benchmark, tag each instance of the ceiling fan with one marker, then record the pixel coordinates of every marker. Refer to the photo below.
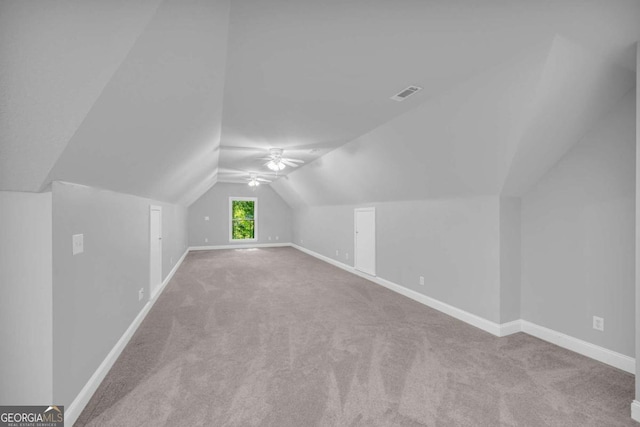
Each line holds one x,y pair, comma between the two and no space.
254,180
276,162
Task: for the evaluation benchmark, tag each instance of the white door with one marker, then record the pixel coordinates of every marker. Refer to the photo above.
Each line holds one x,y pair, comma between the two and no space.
155,248
365,240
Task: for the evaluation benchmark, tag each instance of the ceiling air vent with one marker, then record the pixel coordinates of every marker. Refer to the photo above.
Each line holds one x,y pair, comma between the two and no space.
406,93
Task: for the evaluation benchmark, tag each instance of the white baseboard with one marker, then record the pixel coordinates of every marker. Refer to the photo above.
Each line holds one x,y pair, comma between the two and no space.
77,406
509,328
167,279
635,410
584,348
239,246
472,319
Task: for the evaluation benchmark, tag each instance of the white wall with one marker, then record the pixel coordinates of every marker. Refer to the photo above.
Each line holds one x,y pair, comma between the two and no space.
510,258
577,244
637,145
274,215
174,235
327,229
96,292
25,299
453,243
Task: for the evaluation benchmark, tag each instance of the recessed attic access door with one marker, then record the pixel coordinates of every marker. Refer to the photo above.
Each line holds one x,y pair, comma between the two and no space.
365,240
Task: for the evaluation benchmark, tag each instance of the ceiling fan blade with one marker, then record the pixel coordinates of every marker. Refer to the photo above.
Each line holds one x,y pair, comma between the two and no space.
288,163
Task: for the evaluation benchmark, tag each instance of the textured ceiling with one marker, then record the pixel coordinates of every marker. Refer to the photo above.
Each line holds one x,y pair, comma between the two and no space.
163,99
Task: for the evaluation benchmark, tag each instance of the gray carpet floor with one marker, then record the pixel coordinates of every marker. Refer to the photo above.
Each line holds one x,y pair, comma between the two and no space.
274,337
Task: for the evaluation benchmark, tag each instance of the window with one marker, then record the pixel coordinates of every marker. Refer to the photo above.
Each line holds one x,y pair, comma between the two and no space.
243,224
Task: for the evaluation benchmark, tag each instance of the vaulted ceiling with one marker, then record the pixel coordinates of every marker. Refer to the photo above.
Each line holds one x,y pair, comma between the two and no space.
164,98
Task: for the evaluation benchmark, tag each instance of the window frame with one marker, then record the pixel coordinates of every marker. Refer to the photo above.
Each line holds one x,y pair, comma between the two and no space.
255,218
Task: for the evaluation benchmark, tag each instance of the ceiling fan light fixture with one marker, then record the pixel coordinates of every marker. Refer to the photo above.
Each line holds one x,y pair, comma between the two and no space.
254,180
276,165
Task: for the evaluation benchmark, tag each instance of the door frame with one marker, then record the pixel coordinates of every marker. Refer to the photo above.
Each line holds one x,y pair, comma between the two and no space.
154,287
355,239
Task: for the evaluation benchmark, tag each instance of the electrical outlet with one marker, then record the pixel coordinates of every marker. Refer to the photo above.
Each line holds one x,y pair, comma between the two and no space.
206,218
269,237
301,241
346,255
422,280
206,240
598,323
277,238
78,243
337,252
140,294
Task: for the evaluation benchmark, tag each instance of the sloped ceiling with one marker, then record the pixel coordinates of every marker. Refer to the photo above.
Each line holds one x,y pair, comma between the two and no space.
496,133
455,144
156,125
163,99
308,75
56,57
574,91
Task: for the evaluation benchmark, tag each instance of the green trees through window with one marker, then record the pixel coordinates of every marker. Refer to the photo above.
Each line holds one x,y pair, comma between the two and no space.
243,219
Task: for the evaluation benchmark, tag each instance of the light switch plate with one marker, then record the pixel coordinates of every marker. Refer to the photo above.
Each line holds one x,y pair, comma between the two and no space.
78,244
206,218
